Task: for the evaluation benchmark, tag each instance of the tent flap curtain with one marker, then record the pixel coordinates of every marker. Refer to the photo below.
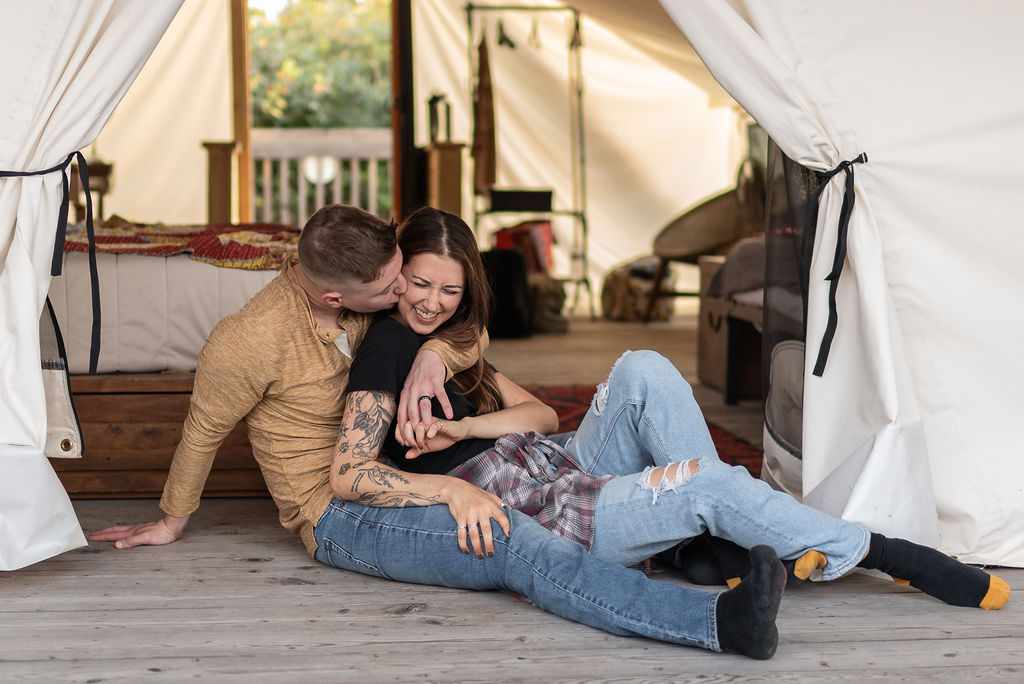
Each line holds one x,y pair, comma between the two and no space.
67,65
908,429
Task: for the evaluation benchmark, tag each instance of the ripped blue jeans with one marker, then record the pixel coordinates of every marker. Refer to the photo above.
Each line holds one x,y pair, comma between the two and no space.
645,417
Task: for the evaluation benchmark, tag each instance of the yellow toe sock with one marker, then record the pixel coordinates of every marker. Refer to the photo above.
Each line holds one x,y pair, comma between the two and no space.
808,563
998,594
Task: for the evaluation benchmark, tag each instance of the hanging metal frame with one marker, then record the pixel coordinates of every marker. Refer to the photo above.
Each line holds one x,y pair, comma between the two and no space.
579,182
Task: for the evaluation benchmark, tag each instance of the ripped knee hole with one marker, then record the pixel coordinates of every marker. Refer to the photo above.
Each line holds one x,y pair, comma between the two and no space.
667,478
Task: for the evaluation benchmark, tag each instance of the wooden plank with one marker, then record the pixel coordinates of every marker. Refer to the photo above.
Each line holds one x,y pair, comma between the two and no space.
116,408
219,165
129,437
101,458
132,383
336,185
139,436
286,194
300,180
318,194
284,143
150,483
372,173
355,193
268,190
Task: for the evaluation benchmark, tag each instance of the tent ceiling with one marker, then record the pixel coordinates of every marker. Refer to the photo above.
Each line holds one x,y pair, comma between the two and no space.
646,26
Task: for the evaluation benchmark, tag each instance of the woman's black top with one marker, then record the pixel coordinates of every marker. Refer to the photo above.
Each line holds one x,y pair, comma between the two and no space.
381,364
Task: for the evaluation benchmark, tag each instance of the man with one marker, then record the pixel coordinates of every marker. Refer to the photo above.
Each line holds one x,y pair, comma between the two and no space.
281,365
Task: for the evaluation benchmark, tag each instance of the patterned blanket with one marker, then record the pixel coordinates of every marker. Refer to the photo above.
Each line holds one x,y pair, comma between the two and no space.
251,246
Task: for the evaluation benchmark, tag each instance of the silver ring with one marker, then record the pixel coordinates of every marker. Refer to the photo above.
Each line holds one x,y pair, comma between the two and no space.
471,525
425,396
462,527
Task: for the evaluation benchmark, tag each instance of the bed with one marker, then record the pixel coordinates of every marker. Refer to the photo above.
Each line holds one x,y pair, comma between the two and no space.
162,289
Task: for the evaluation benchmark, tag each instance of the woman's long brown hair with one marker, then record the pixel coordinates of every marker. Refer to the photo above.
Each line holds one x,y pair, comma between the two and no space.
433,231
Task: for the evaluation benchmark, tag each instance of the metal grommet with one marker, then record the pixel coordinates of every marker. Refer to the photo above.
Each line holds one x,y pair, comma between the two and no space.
66,445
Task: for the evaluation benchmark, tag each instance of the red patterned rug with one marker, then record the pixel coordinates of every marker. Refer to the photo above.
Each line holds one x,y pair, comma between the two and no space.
572,401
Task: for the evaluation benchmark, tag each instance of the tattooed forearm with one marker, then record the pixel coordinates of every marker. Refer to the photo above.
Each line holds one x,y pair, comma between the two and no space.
378,475
358,477
368,419
397,499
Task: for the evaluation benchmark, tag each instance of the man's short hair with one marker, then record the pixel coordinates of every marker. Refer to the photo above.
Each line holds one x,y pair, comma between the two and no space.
340,245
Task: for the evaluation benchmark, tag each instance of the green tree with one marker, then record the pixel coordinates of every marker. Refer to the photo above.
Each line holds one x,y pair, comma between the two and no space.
322,64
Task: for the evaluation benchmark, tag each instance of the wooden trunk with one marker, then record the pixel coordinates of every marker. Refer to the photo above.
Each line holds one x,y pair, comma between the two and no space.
728,341
131,424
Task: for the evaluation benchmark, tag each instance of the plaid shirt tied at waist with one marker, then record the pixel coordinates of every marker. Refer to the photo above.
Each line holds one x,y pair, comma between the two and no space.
536,476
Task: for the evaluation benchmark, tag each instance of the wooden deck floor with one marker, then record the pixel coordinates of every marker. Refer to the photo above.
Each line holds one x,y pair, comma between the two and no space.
238,599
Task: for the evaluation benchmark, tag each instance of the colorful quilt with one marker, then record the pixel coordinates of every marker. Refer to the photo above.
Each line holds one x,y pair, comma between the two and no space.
251,246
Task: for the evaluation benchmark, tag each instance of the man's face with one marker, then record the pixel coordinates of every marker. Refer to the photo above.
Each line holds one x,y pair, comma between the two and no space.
380,294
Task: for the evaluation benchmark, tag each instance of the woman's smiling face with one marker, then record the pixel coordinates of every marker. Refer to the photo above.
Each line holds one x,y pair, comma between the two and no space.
434,291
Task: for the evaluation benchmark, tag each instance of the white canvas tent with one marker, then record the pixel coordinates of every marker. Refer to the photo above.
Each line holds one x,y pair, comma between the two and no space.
911,424
910,427
66,65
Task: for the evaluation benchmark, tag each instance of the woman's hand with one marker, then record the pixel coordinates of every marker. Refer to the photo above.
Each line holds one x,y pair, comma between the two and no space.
164,531
438,435
425,380
473,509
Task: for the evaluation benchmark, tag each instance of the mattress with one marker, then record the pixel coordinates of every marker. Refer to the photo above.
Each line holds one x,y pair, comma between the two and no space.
156,311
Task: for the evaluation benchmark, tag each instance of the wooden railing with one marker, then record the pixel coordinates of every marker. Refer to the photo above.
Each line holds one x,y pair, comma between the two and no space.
298,170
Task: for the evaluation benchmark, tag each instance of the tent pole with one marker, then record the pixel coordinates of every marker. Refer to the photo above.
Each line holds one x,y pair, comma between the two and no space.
405,184
242,106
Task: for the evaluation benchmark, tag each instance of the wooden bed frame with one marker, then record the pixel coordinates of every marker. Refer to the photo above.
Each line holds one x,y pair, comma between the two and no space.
131,424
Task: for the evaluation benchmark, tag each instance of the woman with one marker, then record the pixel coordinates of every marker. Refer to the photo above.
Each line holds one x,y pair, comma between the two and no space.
639,476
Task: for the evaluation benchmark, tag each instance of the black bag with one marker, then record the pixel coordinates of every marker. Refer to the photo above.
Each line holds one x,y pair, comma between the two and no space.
512,308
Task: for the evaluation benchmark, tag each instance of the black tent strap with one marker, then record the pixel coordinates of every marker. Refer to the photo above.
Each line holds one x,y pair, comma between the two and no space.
62,229
840,255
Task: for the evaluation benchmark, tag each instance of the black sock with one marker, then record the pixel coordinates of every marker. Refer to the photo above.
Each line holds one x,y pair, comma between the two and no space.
732,558
696,560
734,561
935,573
746,614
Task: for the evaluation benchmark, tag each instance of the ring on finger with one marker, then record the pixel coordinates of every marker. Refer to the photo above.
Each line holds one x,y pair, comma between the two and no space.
471,525
425,396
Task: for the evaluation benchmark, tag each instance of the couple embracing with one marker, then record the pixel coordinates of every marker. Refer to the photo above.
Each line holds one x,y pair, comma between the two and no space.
336,368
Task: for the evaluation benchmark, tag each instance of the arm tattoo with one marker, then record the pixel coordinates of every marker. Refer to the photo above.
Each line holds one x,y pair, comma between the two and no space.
368,417
396,499
378,475
372,413
379,480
